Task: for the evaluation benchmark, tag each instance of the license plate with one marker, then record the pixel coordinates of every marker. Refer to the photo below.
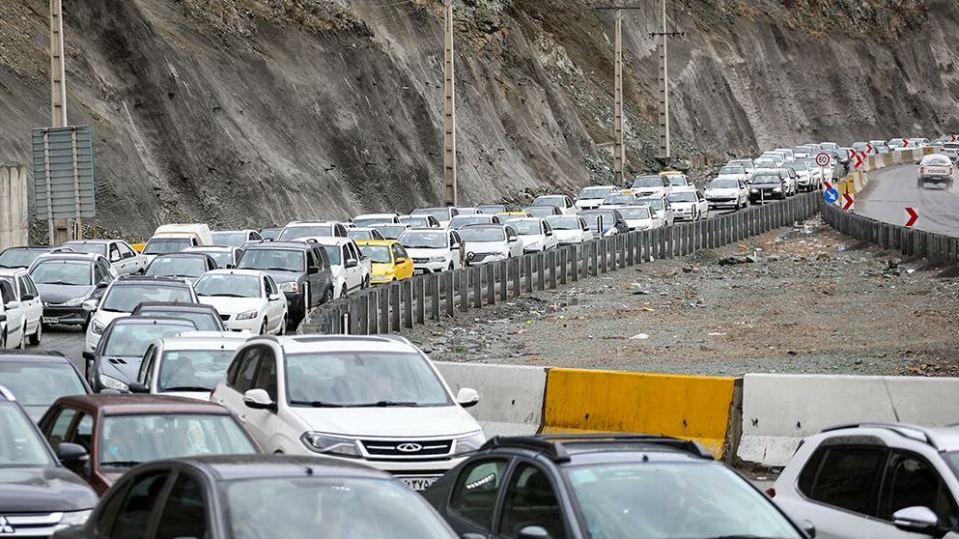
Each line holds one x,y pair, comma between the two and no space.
51,320
418,483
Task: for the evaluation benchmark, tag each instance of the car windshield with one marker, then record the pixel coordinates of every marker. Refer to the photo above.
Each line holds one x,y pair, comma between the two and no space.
177,266
541,211
647,181
231,239
363,222
20,445
594,193
357,234
193,370
361,379
270,233
765,163
592,219
732,170
84,247
228,286
723,183
556,201
424,240
379,254
527,227
19,258
677,181
63,272
619,199
745,163
162,246
491,210
342,507
460,221
126,440
132,340
305,231
392,232
124,298
222,258
672,500
797,166
440,214
333,253
641,212
36,383
204,321
483,234
766,179
936,161
682,196
273,260
420,221
564,223
656,204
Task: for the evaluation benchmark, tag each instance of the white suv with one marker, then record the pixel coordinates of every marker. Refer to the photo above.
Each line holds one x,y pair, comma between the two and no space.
378,400
874,480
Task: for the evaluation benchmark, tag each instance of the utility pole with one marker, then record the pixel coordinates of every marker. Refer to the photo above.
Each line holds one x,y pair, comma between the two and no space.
449,110
664,150
619,145
58,83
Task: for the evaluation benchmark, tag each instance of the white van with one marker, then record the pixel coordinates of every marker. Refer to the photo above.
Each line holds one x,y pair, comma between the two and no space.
177,237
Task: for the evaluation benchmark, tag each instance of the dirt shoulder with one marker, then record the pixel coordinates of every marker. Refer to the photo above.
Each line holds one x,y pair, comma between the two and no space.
796,300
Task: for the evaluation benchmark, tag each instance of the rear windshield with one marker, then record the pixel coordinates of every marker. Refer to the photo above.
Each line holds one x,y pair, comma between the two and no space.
937,161
162,246
648,181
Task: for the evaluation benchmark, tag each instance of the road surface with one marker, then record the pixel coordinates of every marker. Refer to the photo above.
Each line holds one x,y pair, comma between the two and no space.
891,191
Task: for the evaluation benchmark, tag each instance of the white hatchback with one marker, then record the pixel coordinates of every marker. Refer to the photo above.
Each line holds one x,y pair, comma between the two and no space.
25,292
375,400
570,229
433,250
189,364
247,300
535,233
490,243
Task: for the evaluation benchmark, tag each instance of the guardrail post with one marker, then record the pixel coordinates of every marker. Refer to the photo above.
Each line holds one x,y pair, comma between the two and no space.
476,280
488,274
448,293
362,313
527,274
462,288
396,305
502,266
575,252
406,292
601,264
514,275
354,311
551,266
564,265
419,286
433,290
540,271
384,309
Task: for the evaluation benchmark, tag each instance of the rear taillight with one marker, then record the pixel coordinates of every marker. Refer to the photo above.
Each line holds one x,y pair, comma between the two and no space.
771,492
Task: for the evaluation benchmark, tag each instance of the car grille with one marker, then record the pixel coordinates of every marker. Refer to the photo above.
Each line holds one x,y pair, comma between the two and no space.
407,448
421,260
29,524
720,199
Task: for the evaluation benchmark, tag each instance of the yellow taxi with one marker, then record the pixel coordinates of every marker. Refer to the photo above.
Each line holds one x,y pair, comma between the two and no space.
389,258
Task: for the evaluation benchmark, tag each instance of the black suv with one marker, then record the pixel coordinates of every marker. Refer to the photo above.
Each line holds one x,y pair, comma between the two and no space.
300,269
604,486
39,493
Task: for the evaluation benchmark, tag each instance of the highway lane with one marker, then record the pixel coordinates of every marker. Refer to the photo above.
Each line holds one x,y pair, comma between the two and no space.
891,191
65,339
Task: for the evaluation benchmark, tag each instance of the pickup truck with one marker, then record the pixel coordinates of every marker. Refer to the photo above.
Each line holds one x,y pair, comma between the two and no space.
351,270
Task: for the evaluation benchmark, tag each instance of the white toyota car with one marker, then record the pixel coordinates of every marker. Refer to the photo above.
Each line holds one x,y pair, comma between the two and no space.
248,300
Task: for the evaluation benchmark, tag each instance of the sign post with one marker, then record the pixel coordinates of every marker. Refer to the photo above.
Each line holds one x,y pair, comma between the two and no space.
822,159
63,175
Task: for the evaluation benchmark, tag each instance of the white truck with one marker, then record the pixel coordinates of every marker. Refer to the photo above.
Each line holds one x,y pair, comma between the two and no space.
350,269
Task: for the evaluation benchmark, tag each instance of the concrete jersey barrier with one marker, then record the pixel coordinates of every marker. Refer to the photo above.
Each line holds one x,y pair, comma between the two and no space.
691,407
511,397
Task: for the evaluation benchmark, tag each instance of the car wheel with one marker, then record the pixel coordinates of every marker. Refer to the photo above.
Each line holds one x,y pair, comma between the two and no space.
263,327
23,341
283,326
3,341
451,268
37,336
343,292
328,297
367,283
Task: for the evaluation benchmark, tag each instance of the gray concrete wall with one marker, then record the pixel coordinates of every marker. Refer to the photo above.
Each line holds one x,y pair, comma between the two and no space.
14,217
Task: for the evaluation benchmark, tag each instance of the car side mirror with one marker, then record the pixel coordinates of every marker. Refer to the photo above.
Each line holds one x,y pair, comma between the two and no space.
13,305
88,355
102,284
137,387
231,266
90,305
514,239
258,399
549,233
455,246
312,270
400,260
352,263
917,519
467,397
533,532
473,536
73,456
808,528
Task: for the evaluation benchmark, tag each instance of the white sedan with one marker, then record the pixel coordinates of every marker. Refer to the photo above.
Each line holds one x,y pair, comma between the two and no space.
637,217
12,320
25,292
570,229
490,243
726,191
535,233
689,204
248,300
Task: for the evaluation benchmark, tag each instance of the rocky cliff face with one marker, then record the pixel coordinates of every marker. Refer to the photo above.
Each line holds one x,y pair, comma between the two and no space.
247,112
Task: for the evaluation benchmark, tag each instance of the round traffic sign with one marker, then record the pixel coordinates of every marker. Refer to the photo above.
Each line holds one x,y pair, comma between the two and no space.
830,195
822,159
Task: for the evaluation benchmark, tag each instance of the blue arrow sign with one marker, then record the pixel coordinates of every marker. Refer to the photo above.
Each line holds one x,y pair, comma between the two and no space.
831,196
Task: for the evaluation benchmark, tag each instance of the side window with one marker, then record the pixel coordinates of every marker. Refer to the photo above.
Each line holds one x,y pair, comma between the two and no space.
255,236
58,430
6,292
398,251
266,373
22,287
31,286
145,376
912,482
99,275
847,478
310,258
531,501
184,514
322,259
126,251
266,287
347,253
83,434
243,381
114,253
139,507
474,494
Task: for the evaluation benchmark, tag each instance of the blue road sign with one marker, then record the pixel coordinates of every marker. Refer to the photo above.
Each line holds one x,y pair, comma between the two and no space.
831,196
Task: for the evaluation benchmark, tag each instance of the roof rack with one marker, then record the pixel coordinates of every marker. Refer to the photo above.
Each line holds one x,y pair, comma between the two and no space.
913,432
555,445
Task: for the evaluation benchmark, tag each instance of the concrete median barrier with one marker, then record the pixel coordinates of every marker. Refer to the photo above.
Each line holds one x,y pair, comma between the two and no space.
691,407
511,397
779,410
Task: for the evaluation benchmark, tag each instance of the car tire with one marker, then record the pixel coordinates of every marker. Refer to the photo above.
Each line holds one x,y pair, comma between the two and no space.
23,341
283,326
263,327
367,282
328,297
3,341
344,292
37,336
451,268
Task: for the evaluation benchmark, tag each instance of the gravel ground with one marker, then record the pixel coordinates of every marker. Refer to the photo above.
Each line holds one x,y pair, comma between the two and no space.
797,300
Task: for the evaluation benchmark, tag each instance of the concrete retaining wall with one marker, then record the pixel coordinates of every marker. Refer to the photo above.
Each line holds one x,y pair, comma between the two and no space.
511,397
14,217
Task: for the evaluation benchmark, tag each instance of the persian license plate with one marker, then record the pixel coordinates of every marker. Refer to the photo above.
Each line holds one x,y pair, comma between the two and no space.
418,483
51,320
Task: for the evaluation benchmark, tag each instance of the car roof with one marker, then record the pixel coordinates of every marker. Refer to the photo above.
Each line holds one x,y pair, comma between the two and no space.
684,189
279,245
141,403
204,340
939,438
600,447
338,343
11,272
375,215
172,306
209,248
244,230
69,255
150,320
182,255
38,357
148,279
336,241
247,272
95,241
239,467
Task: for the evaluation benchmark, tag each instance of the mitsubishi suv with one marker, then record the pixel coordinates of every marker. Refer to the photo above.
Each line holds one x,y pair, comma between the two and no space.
376,400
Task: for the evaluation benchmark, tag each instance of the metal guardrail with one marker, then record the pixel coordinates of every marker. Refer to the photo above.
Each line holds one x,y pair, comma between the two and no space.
402,304
938,249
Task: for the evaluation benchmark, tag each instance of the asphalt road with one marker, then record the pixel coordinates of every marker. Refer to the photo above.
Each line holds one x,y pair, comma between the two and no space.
65,339
891,191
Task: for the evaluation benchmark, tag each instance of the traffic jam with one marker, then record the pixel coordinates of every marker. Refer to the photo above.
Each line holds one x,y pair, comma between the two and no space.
197,412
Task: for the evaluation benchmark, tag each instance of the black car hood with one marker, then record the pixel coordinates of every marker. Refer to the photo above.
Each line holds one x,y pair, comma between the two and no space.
59,293
284,276
123,368
44,490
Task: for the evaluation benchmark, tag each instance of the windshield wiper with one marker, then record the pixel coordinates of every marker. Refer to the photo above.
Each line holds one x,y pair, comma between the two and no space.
223,295
277,269
384,404
186,388
105,309
316,404
62,283
121,463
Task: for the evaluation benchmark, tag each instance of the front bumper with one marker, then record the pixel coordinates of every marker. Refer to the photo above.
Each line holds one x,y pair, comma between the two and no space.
59,314
382,279
935,179
484,258
241,326
428,267
722,201
417,474
757,197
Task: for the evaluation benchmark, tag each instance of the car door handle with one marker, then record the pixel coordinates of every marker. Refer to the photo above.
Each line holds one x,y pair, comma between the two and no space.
242,418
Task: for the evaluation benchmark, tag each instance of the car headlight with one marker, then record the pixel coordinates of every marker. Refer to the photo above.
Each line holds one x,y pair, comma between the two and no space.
290,286
754,190
113,383
777,190
249,315
469,443
437,258
98,328
74,302
75,518
327,443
